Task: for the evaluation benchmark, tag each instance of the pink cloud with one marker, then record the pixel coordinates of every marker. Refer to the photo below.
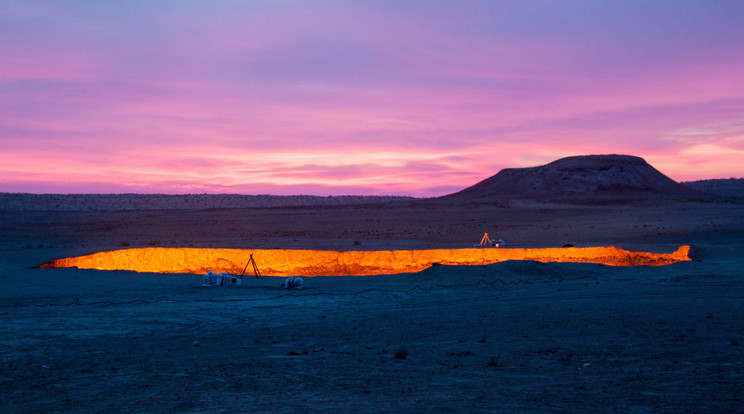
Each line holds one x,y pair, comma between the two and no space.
340,97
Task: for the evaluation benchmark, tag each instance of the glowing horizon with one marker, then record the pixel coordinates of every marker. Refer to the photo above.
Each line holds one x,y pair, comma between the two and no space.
350,98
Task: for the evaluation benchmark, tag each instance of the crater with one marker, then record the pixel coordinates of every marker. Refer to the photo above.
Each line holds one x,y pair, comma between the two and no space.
277,262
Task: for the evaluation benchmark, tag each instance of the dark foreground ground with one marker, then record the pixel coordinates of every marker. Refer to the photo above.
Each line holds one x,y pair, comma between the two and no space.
508,337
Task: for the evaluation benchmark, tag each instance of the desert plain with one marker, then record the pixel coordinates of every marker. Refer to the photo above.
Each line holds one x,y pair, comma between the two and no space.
514,336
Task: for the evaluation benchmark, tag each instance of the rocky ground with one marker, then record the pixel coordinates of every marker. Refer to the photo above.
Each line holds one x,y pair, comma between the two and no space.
507,337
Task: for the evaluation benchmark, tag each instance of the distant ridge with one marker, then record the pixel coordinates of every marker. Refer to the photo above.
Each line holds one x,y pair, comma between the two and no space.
729,187
584,178
121,202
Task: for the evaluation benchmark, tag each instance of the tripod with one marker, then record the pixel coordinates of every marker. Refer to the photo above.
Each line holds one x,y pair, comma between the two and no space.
256,272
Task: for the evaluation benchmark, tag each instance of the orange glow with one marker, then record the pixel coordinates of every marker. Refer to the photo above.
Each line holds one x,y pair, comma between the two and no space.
359,263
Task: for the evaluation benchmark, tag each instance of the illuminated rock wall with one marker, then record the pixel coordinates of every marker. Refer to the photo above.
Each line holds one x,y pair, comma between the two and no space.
331,263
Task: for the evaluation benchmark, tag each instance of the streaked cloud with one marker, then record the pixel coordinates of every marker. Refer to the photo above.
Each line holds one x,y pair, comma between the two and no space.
333,97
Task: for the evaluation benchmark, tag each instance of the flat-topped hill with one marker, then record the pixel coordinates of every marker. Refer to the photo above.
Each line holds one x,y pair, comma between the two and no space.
580,178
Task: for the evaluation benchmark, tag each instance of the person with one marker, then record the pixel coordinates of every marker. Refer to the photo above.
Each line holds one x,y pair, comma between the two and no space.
293,282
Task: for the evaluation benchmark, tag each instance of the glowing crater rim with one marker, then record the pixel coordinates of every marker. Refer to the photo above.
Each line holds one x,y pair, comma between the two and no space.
280,262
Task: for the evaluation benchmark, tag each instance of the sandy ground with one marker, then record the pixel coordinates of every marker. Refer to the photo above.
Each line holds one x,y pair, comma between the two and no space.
508,337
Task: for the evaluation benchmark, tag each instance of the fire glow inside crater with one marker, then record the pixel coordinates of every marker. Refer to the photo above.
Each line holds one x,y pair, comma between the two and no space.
278,262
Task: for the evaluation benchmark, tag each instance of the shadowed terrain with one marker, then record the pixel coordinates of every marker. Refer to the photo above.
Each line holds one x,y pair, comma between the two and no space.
514,336
588,178
730,187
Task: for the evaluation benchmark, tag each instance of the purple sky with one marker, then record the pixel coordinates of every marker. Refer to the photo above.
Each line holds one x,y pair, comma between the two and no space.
417,98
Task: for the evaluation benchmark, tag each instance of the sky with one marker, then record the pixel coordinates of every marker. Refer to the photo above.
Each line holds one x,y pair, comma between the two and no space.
419,98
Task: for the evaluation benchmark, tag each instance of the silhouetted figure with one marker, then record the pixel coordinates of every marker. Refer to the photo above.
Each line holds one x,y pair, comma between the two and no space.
293,282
